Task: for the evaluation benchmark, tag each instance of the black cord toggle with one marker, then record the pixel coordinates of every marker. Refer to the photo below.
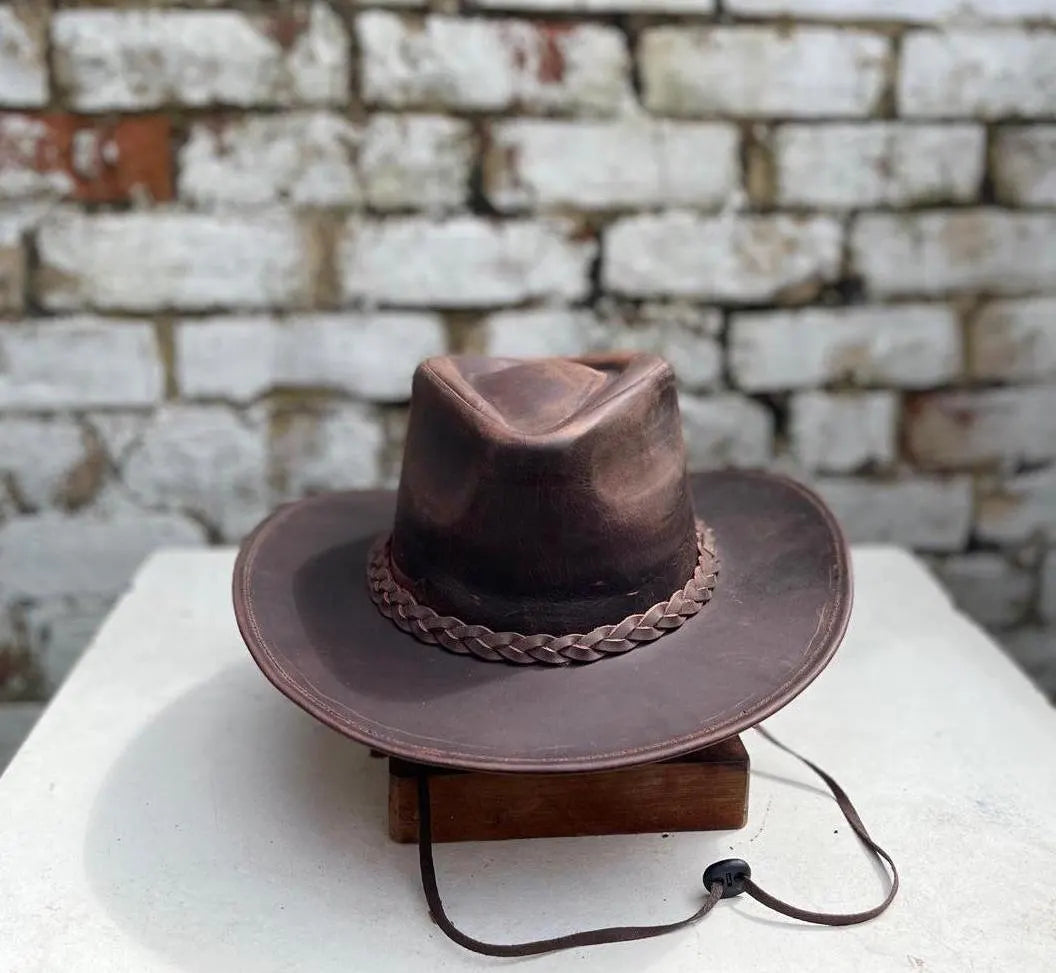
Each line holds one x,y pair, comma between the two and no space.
731,873
723,880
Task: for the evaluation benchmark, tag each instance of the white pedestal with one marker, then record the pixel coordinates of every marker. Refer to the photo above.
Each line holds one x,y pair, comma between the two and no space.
171,811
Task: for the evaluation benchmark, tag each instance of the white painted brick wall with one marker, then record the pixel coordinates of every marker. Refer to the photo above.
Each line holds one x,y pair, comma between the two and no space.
12,277
112,60
989,587
726,430
115,431
22,175
1018,509
842,432
763,71
372,356
981,428
204,462
229,232
153,261
9,638
52,555
39,456
1047,601
907,346
926,514
492,64
325,159
1025,165
877,164
912,11
301,158
16,721
338,448
79,362
686,336
20,218
940,252
541,331
59,629
1032,650
416,162
978,74
23,67
1014,340
729,257
601,6
610,165
462,262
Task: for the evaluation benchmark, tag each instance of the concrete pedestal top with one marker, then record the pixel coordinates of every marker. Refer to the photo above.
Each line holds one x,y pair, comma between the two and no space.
171,811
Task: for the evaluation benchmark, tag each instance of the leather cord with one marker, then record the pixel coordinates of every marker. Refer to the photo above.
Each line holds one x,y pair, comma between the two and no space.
854,820
399,604
717,889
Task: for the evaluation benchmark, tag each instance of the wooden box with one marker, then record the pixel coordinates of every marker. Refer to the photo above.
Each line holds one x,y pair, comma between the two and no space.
702,791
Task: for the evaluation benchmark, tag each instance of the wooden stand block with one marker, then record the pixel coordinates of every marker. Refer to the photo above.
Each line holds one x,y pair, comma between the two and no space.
703,791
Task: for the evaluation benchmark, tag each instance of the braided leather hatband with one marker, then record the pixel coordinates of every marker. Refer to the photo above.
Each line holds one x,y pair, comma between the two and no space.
426,625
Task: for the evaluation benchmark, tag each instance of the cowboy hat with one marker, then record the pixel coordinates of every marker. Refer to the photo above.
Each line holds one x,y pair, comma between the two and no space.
548,589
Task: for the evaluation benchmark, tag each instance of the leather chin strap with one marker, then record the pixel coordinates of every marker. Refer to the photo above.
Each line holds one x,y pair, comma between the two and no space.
723,880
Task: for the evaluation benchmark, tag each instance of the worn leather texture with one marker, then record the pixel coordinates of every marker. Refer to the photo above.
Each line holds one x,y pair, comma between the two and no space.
778,614
543,495
454,635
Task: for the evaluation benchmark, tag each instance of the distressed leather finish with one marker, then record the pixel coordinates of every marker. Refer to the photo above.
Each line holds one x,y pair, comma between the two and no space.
543,496
776,618
453,634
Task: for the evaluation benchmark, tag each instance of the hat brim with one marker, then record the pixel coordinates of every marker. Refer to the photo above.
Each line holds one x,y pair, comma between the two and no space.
779,611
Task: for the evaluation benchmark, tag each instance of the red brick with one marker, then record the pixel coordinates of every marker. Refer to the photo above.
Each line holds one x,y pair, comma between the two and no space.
103,161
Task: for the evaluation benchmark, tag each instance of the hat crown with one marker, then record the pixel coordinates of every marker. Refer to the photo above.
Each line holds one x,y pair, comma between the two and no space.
532,397
543,495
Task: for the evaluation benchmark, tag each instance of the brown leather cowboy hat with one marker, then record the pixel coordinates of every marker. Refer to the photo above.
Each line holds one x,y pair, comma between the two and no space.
548,590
